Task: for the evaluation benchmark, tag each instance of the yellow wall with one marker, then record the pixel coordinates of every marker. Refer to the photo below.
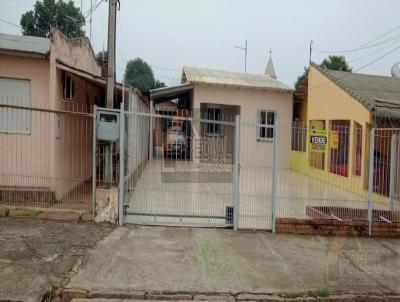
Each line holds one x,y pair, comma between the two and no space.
327,102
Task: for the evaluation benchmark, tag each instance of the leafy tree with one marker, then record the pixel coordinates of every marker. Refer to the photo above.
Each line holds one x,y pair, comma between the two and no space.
102,57
335,63
300,78
159,84
49,13
140,75
332,63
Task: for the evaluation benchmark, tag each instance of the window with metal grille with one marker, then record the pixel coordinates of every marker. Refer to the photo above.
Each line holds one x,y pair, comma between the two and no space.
213,114
266,124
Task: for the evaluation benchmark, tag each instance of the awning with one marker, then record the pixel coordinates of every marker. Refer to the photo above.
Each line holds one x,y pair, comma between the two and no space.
170,92
82,74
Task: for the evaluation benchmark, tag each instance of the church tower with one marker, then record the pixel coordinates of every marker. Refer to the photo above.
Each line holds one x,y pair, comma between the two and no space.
270,70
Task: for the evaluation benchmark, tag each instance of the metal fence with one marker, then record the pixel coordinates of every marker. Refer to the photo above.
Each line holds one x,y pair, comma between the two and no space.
189,170
325,183
273,172
46,156
186,178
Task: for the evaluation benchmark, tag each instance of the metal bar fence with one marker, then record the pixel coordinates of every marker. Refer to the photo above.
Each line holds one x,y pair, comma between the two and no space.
189,180
325,183
45,155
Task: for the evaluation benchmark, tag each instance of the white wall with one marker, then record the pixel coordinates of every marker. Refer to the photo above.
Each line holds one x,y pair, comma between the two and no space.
253,152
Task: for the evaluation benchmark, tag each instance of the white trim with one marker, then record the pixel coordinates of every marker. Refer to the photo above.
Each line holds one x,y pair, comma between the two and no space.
266,125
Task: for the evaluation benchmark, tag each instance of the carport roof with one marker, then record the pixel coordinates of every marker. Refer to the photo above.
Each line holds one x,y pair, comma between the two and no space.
196,75
170,92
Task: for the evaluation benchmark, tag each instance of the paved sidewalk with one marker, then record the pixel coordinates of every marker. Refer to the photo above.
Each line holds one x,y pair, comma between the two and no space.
161,259
36,255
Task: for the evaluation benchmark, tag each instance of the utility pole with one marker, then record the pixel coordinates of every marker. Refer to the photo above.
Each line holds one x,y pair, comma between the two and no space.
311,42
245,54
112,16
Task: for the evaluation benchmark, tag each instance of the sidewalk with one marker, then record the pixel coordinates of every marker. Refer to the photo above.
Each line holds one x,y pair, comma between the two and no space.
167,259
36,255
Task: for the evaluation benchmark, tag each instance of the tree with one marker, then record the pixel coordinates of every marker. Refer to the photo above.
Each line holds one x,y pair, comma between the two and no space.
159,84
300,78
335,63
332,63
102,57
140,75
49,13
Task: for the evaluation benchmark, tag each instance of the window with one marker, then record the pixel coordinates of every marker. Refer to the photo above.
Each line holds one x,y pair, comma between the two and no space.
358,148
214,114
267,118
15,92
68,88
339,147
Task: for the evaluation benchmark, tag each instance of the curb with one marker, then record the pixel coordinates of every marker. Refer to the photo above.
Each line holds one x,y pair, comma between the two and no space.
71,294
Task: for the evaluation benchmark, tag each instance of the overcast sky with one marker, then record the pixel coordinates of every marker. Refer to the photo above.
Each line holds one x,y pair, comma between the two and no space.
171,33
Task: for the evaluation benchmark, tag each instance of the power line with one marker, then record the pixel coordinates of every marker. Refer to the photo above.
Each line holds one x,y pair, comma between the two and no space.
359,68
365,45
10,23
379,58
374,52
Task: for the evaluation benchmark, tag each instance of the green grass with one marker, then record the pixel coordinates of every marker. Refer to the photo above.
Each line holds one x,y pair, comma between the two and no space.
323,291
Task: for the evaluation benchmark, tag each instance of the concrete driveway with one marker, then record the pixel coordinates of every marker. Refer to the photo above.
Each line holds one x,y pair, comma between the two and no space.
164,196
221,260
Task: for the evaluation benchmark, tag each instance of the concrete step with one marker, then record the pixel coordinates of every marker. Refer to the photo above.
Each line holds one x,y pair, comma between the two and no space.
127,300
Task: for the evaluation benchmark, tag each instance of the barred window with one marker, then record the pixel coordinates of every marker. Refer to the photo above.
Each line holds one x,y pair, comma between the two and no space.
267,118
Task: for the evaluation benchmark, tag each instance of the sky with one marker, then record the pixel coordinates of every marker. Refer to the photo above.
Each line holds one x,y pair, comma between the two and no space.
169,34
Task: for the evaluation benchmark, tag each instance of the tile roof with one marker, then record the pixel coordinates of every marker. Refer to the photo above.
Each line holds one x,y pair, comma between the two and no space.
196,75
28,44
380,94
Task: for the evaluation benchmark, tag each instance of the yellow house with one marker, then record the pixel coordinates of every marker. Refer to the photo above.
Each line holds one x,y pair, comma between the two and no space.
333,114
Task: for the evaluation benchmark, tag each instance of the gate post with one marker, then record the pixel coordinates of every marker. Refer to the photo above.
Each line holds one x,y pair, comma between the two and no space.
94,142
121,165
274,175
151,130
371,179
393,170
236,175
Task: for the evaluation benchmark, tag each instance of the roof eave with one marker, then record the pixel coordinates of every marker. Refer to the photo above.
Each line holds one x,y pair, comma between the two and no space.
21,53
289,90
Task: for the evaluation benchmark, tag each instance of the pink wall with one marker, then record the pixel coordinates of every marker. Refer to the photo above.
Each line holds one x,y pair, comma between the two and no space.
58,159
74,139
24,158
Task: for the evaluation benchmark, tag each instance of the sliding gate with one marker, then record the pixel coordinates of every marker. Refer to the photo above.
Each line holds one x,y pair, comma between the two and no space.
179,170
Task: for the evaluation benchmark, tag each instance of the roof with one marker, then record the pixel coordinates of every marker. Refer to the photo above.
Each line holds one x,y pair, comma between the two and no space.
196,75
29,44
270,70
380,94
170,92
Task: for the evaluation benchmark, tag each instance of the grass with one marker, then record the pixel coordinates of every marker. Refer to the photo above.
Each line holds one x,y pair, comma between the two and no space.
323,291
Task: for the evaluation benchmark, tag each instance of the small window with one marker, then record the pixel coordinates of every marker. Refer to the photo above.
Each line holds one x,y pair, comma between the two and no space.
267,118
68,88
214,114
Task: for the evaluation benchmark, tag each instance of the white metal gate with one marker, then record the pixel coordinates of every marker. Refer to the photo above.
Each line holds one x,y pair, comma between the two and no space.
182,172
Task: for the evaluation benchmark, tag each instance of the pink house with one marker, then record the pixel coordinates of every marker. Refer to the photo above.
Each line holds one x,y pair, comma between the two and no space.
46,151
